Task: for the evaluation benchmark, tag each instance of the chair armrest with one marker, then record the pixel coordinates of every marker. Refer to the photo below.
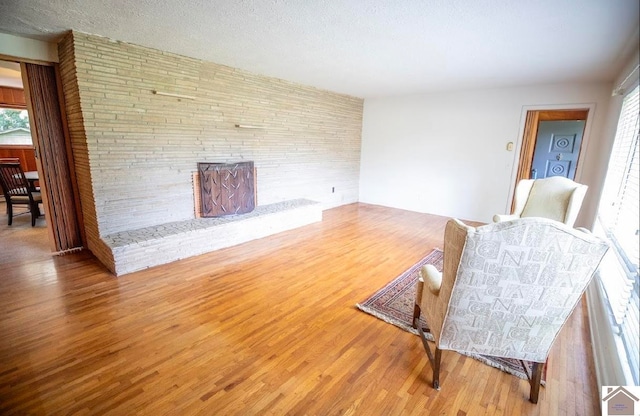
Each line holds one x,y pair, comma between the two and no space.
432,278
504,217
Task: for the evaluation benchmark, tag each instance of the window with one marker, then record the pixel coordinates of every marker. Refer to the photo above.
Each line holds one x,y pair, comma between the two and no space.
14,127
618,220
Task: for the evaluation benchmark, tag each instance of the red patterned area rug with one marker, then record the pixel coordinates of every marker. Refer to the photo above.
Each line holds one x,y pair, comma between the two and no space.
394,304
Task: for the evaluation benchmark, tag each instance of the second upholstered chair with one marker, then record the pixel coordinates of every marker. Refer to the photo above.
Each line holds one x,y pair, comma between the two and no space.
556,198
506,290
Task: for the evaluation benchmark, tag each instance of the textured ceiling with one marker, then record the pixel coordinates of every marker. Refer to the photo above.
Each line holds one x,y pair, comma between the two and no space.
364,48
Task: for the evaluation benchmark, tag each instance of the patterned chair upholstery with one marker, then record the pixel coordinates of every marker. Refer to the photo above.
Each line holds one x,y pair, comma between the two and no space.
556,198
506,289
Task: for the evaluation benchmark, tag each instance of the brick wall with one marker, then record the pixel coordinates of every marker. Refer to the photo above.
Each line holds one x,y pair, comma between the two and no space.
80,148
135,151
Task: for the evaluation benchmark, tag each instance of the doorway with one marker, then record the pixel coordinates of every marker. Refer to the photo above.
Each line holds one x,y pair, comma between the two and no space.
557,137
53,156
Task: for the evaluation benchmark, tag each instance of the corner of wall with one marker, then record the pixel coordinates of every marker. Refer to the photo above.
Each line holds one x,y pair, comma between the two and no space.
77,135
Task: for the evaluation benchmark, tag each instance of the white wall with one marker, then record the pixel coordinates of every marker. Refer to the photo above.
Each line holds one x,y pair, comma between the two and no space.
446,153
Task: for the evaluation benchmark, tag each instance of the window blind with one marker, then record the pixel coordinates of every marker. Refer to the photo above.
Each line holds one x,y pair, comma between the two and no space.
619,221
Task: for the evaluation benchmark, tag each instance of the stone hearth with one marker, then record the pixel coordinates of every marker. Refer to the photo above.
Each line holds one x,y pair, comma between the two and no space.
152,246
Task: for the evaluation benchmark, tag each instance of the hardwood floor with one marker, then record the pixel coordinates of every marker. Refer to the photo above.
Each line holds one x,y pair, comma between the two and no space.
267,327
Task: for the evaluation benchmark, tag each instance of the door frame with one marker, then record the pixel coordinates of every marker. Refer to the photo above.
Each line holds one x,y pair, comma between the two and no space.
523,154
52,226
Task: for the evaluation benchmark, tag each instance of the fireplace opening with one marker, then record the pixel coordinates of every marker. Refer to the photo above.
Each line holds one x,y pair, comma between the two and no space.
226,188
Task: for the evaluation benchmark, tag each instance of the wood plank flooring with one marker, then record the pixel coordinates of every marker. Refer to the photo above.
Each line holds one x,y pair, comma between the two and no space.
265,328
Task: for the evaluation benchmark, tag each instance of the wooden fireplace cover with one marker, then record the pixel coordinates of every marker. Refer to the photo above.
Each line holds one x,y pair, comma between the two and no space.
226,188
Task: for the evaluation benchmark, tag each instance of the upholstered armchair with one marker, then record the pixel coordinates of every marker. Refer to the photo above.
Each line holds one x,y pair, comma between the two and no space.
556,198
506,290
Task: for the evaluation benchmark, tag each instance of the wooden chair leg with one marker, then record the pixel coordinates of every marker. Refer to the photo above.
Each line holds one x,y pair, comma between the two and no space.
10,212
416,316
35,213
436,369
416,305
536,376
434,359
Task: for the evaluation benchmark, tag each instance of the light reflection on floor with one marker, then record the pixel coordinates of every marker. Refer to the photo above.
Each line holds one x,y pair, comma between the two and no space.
21,242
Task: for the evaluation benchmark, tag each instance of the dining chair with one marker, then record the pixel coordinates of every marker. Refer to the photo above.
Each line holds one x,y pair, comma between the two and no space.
506,290
8,160
17,191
